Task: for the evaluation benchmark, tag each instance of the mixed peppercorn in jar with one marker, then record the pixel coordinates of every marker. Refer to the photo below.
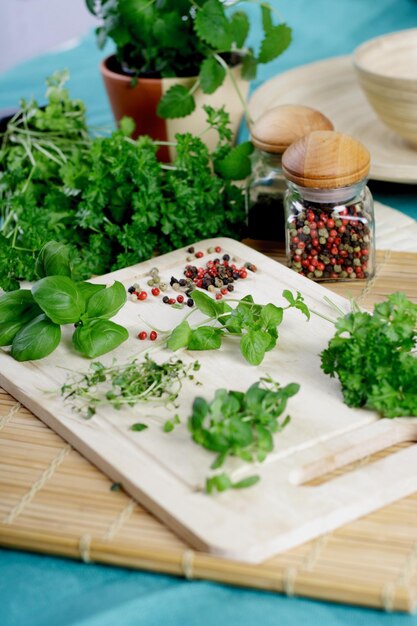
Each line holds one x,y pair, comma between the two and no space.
329,224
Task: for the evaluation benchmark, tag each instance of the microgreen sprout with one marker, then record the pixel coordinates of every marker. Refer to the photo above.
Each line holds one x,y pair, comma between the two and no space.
130,383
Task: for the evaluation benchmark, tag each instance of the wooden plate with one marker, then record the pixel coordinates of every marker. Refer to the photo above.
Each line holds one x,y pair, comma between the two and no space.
331,87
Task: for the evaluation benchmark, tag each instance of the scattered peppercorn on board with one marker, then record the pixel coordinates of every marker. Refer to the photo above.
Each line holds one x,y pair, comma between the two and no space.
166,472
52,500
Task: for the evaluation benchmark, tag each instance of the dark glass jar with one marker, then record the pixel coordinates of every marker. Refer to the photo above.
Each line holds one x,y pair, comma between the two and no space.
271,134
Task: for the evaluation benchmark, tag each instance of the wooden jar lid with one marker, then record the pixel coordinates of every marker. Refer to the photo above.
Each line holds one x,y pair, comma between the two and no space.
279,127
325,159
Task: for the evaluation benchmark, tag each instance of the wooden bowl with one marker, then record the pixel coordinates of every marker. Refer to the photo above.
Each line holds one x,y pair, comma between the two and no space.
386,68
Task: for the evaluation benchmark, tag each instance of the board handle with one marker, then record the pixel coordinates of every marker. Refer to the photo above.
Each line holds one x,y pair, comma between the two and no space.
352,446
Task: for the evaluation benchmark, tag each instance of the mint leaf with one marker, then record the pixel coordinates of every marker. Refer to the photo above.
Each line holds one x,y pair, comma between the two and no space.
208,306
237,164
276,40
253,346
266,18
239,27
180,336
246,482
212,75
213,26
138,427
177,102
205,338
272,315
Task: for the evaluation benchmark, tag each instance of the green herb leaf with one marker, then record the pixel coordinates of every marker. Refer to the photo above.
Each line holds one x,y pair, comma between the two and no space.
239,26
275,42
54,259
246,482
138,427
253,346
209,306
59,298
212,75
97,337
271,315
249,66
213,26
15,304
36,339
205,338
220,482
105,303
176,102
180,336
236,165
87,290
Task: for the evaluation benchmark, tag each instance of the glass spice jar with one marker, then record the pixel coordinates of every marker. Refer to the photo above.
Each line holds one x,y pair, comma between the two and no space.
330,229
271,135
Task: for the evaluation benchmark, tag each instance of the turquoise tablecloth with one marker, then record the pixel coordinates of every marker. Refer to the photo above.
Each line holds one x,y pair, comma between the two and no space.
39,590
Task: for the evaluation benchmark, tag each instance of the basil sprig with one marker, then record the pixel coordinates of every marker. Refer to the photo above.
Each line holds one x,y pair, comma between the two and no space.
30,320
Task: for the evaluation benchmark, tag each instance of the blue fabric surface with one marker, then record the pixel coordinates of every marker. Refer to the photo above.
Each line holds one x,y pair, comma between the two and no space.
44,591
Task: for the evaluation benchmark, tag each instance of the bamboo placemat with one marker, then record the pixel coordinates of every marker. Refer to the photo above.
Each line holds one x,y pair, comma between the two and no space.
53,500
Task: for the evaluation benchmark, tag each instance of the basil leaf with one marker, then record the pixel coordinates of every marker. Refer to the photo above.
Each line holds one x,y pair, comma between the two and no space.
253,346
14,304
97,337
36,340
180,336
205,338
107,302
9,329
54,259
59,298
88,289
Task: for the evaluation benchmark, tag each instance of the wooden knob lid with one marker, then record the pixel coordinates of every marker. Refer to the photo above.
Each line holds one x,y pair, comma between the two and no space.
279,127
326,160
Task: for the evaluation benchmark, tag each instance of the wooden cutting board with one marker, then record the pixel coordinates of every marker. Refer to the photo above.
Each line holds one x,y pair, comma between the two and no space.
166,472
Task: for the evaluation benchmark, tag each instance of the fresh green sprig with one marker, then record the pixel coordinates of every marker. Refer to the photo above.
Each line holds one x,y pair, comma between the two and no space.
254,324
127,384
240,424
371,356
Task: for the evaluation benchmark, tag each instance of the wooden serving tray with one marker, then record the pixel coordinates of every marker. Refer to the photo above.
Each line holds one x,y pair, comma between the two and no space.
166,473
53,500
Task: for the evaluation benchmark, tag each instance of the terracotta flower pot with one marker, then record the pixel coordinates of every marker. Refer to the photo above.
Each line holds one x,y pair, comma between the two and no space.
140,102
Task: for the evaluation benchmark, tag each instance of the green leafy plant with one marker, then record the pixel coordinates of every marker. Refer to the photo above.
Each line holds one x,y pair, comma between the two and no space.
201,38
30,320
127,384
109,197
371,356
254,324
241,425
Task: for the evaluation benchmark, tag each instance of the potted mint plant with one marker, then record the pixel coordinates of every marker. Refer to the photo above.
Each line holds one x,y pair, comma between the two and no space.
174,56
